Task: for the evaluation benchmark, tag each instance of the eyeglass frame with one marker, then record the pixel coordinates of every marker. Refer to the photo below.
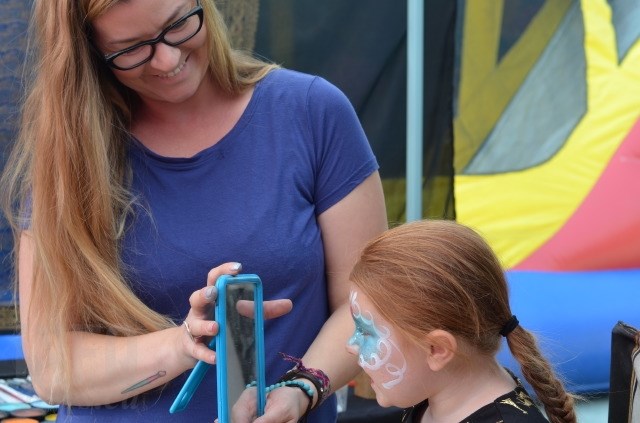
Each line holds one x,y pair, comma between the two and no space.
109,58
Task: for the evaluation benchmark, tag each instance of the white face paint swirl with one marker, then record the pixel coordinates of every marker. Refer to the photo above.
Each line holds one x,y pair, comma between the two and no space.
376,350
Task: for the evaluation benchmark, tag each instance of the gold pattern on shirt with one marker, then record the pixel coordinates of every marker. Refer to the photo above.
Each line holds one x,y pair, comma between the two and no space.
524,399
510,402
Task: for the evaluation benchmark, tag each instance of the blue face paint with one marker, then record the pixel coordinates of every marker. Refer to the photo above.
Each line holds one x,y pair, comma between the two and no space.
365,337
375,347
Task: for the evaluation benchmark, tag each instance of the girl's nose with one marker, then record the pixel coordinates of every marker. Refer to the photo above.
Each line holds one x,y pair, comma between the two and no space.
351,347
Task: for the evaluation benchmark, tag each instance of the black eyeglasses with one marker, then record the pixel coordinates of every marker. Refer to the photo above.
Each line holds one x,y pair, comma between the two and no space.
175,34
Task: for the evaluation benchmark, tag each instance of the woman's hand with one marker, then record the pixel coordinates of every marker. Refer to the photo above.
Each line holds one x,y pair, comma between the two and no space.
284,405
245,409
198,328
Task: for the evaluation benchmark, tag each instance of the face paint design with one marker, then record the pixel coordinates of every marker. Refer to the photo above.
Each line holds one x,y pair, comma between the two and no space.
376,350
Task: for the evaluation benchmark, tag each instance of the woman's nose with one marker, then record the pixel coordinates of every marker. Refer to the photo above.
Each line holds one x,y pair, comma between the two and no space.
165,58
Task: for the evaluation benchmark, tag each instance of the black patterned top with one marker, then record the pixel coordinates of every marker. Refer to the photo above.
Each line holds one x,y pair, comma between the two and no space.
513,407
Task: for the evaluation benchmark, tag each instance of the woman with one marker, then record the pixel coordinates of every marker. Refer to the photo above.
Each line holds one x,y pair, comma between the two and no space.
149,152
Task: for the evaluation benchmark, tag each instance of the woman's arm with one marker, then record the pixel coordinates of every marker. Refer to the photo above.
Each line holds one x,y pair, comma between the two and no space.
107,369
346,227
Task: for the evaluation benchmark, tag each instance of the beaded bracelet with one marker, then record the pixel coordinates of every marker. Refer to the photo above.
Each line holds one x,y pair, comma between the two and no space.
294,384
319,379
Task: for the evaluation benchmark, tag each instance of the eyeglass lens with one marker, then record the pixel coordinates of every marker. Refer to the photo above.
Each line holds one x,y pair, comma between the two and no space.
182,31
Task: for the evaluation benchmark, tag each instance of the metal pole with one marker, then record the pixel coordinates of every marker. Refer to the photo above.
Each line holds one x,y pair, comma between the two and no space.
415,73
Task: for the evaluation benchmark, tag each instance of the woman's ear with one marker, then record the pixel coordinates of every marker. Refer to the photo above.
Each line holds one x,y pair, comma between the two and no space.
442,348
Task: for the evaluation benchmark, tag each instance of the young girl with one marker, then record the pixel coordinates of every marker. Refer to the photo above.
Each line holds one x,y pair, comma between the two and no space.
430,304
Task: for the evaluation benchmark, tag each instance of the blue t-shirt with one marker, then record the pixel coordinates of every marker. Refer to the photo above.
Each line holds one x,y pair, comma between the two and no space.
254,197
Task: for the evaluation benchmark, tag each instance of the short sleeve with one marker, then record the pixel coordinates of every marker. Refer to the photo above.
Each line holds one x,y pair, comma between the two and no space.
344,158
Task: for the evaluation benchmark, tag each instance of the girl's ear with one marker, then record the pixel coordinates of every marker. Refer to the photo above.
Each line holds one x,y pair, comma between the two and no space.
442,348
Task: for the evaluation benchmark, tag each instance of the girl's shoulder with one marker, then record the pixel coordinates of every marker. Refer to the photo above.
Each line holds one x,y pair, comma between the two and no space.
516,406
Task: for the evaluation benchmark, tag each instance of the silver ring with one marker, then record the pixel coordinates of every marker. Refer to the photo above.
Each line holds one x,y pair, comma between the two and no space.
186,326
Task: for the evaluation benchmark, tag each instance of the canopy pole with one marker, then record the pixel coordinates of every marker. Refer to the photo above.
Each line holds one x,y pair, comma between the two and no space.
415,75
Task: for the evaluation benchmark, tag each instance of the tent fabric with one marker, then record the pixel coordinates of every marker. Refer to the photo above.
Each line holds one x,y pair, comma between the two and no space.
360,46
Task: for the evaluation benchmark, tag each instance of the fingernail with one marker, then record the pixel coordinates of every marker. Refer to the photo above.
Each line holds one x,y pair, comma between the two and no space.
236,266
210,292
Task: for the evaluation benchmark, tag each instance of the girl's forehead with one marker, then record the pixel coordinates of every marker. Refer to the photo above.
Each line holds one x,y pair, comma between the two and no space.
356,297
360,304
362,308
359,297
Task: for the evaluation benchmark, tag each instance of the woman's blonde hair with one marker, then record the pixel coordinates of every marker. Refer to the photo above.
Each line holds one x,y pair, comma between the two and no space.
68,173
435,274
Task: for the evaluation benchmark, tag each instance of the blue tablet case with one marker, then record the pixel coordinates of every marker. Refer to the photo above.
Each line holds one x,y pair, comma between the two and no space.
219,343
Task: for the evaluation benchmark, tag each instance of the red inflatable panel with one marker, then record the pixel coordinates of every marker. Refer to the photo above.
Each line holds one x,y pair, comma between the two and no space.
604,232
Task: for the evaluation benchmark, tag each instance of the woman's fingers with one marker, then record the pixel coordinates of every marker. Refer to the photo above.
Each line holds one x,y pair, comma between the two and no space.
201,302
194,340
201,352
202,299
277,308
198,329
283,406
244,410
231,268
271,309
198,326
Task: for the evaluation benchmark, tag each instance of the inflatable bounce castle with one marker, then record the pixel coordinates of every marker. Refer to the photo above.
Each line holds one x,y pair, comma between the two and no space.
547,163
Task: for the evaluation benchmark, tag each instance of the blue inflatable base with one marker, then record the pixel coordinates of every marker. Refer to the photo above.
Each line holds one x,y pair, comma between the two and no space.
573,314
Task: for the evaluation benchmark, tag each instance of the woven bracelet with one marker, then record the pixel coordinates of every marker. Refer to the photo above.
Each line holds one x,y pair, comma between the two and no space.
317,377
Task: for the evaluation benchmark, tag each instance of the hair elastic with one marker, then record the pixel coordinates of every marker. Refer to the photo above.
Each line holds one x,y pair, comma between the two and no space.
508,327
